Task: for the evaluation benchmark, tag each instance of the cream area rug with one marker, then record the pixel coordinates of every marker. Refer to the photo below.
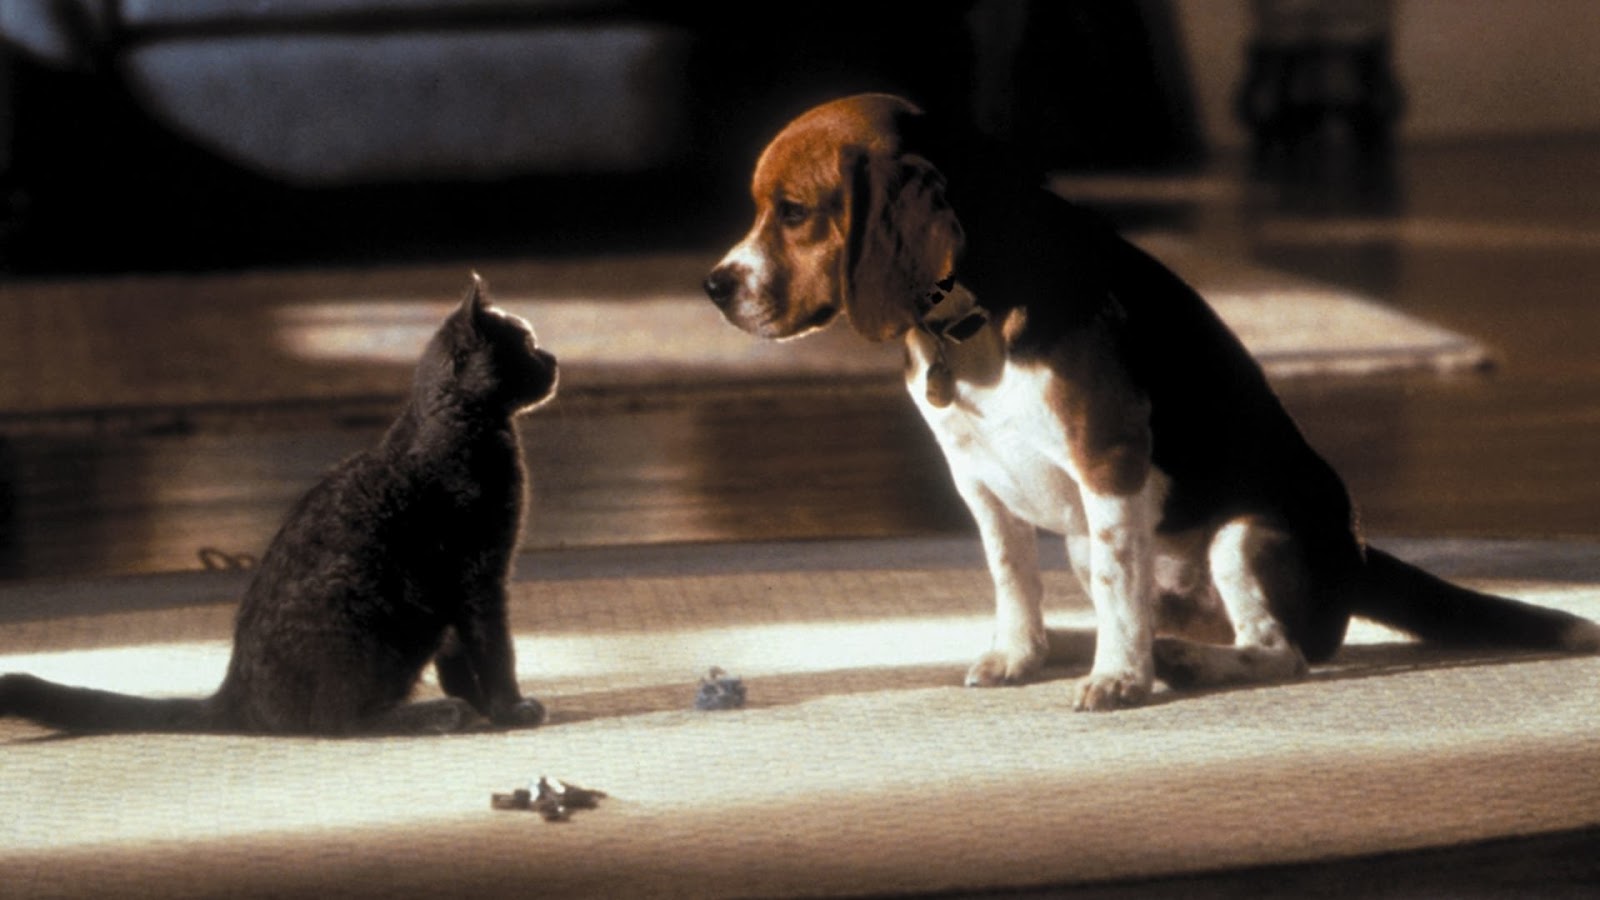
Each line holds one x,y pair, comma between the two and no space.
859,765
265,338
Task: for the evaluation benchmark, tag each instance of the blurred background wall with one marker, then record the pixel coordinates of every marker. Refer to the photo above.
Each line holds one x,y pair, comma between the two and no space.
1469,68
215,132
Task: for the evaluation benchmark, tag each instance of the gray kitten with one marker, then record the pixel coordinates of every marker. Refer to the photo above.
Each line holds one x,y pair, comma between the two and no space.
398,557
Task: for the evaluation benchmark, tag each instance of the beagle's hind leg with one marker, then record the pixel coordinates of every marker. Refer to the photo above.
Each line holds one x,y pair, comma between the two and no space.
1186,664
1256,571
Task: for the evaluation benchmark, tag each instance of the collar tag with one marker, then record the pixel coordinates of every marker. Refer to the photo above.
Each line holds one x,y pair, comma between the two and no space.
966,326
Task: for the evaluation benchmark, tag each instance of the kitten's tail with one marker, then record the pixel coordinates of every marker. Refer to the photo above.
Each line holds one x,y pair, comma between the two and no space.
89,711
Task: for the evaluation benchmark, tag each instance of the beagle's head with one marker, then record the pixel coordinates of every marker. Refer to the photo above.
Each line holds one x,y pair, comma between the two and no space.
849,218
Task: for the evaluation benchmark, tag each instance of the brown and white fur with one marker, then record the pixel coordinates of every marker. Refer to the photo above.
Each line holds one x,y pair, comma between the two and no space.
1078,386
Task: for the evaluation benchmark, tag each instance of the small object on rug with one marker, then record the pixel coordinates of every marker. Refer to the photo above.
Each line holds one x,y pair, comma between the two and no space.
554,800
719,690
521,798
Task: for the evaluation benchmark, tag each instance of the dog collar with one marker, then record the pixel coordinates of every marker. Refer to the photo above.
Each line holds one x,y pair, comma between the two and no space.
948,313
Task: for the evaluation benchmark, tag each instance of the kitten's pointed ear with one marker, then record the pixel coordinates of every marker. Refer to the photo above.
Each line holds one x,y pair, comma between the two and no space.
477,299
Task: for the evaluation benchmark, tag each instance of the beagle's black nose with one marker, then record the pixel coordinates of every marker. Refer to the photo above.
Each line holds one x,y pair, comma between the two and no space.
721,285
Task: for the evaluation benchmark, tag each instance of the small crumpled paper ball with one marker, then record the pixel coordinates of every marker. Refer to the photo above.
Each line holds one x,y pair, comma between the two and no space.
719,690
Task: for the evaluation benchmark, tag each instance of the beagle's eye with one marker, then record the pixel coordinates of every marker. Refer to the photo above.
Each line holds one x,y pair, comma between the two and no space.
791,212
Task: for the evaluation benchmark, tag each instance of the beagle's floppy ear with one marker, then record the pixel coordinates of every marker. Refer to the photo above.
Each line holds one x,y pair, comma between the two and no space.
900,237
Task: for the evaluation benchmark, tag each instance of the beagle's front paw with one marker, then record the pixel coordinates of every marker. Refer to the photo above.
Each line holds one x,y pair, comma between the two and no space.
999,667
1102,692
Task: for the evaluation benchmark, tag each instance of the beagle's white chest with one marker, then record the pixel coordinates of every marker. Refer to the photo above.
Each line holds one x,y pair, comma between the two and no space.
997,434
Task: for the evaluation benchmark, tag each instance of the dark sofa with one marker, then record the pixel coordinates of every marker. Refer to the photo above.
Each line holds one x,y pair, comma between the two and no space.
319,92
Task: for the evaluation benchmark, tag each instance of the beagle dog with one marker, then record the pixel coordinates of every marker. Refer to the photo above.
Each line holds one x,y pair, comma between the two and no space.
1077,386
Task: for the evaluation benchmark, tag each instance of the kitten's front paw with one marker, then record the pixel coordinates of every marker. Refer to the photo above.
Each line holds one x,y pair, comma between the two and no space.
997,668
1097,692
525,713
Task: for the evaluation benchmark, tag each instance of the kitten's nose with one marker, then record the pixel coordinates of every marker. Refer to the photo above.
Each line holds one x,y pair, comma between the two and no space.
721,285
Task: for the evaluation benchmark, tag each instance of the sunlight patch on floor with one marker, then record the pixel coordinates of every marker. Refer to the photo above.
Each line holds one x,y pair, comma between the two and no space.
654,655
378,331
663,331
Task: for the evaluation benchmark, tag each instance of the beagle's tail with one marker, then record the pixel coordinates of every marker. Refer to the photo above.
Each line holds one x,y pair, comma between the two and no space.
89,711
1403,596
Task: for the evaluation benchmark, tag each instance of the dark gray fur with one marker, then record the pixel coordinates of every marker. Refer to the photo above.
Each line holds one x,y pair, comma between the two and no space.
399,557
